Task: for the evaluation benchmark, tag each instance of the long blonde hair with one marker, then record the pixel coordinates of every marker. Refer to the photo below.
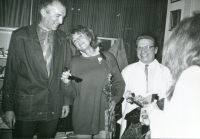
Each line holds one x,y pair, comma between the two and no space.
182,50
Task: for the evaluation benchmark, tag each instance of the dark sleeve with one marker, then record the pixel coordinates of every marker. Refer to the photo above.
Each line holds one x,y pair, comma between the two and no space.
117,79
67,90
10,75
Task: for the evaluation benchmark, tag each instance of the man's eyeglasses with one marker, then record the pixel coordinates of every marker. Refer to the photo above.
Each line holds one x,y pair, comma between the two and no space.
145,48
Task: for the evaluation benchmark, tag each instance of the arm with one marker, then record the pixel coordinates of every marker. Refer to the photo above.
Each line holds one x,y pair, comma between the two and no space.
66,89
67,100
117,81
10,82
185,103
182,111
69,89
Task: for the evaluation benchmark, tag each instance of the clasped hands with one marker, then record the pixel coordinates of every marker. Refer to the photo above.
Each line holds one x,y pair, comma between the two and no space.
146,107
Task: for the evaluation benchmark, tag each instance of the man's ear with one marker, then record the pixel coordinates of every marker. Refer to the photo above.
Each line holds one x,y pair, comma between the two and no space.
43,12
156,50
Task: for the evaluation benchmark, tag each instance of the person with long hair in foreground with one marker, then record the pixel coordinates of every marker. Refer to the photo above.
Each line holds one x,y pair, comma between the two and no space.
180,118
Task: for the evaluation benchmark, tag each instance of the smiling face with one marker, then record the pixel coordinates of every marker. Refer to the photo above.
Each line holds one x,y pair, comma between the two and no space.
52,16
145,55
81,41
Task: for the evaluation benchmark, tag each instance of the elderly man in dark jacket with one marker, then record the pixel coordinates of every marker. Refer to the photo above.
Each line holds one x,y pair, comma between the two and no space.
37,56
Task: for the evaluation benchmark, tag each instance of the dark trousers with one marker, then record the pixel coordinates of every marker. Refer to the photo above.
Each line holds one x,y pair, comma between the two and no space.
27,129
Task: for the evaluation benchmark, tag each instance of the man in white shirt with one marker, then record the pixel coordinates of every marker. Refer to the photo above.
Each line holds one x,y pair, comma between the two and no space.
155,79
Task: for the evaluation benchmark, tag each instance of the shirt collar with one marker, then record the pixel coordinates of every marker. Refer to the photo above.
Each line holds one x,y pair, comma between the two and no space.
152,64
41,31
96,52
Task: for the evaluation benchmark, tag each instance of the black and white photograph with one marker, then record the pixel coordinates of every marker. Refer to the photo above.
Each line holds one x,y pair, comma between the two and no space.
99,69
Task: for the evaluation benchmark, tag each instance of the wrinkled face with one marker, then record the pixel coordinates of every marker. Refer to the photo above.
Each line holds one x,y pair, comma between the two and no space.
146,51
81,41
52,16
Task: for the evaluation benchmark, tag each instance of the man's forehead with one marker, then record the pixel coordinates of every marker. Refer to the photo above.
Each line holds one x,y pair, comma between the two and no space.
57,8
145,42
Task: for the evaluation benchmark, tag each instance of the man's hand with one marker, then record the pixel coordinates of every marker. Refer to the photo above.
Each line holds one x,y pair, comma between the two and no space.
9,119
150,107
65,111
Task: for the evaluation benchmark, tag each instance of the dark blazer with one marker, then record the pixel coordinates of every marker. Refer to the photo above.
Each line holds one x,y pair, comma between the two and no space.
27,90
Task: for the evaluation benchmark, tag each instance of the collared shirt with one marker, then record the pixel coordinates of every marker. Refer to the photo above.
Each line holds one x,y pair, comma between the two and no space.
159,80
42,34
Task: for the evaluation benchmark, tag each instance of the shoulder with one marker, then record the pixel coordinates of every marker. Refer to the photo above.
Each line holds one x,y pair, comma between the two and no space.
188,88
25,32
61,33
162,67
194,68
130,67
108,54
189,80
193,72
22,29
109,57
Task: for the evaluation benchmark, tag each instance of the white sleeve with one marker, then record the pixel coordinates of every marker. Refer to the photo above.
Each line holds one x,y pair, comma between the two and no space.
181,118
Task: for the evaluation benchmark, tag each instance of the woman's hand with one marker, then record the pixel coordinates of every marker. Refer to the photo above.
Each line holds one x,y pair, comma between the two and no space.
65,76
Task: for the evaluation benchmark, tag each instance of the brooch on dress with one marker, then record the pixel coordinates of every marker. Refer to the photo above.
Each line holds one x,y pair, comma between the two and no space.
99,59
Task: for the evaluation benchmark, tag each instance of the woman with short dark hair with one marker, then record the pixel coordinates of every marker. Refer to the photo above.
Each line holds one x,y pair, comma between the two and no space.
94,68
